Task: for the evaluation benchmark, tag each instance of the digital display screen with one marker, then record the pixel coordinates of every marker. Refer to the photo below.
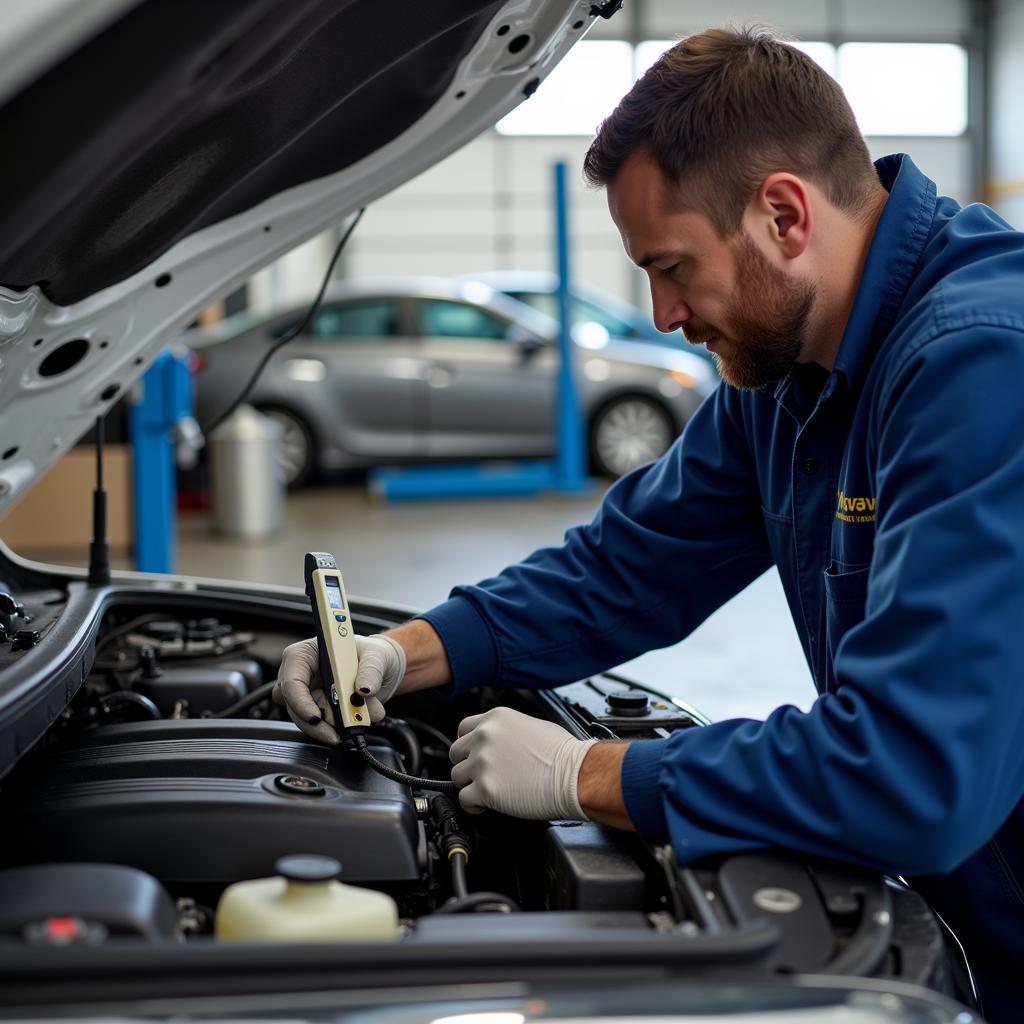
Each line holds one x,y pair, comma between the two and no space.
333,591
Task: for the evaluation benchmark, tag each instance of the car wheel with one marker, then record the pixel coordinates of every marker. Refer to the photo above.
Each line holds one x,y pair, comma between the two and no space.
296,456
629,432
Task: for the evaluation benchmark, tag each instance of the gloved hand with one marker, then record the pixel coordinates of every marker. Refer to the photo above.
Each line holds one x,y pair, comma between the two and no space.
300,690
518,765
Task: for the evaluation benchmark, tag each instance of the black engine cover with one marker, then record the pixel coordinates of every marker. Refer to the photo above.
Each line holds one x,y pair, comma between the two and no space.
211,802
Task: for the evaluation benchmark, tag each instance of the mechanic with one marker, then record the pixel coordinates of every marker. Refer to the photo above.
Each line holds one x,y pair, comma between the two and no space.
868,440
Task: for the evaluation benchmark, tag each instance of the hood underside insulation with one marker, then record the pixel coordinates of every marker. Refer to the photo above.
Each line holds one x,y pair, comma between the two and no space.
187,112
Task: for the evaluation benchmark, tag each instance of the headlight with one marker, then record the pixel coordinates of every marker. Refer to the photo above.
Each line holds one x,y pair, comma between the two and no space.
310,371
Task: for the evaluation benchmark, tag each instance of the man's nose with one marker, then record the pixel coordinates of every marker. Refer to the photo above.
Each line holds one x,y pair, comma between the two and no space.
670,311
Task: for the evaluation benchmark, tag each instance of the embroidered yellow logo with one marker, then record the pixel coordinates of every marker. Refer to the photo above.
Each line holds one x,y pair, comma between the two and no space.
856,510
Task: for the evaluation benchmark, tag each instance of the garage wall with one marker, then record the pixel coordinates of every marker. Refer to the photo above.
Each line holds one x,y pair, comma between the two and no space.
1005,189
489,206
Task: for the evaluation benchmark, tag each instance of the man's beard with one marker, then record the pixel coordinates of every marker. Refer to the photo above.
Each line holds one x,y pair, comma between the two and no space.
762,347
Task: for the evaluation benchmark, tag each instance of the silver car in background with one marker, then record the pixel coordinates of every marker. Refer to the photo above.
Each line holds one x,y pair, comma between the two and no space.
428,369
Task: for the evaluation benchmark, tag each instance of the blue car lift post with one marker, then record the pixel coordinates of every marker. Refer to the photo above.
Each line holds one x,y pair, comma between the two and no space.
166,399
565,473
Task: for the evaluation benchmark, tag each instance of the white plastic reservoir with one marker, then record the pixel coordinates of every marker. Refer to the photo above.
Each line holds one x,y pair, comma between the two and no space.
304,903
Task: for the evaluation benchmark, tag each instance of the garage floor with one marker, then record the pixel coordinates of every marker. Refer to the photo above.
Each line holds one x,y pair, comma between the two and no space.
744,661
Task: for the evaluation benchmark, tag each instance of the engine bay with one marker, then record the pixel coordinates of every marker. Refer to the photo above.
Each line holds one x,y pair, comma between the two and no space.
170,775
172,760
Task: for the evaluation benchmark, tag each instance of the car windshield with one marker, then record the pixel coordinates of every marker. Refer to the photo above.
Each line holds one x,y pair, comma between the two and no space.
582,312
586,311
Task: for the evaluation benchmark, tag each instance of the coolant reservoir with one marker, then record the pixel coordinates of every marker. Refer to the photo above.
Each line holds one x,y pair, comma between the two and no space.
305,903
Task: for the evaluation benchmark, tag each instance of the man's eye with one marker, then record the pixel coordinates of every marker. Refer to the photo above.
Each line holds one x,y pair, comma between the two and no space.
669,270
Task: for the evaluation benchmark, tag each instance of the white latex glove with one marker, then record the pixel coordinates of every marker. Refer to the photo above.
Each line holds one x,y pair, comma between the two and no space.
522,766
300,690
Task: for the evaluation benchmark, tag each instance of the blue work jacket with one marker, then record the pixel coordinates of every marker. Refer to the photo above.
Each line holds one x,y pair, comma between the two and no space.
890,494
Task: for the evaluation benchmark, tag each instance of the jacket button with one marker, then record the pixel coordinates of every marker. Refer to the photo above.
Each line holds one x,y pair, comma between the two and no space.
809,467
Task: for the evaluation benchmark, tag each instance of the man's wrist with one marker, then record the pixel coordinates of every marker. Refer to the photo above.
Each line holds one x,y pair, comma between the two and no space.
426,661
599,784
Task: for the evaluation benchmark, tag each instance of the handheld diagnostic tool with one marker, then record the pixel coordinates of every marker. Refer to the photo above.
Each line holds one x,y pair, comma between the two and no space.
336,640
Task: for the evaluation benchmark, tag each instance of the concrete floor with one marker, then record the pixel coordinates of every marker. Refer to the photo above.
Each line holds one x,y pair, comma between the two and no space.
744,661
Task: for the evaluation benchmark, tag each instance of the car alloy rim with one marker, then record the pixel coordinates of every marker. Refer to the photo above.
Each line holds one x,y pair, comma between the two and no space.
630,434
293,450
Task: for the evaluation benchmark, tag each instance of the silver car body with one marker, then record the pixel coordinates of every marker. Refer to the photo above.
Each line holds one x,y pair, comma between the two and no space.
423,384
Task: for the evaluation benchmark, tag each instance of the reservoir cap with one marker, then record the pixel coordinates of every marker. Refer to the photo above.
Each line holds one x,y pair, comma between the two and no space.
627,702
307,867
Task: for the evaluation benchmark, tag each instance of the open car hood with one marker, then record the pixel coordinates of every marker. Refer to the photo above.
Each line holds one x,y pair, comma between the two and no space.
169,149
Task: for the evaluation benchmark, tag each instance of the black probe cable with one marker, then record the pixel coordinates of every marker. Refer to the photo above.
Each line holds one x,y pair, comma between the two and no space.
359,741
477,901
454,843
466,902
458,861
294,332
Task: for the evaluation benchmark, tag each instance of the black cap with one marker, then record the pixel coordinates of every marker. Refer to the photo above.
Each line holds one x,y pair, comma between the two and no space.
627,702
307,867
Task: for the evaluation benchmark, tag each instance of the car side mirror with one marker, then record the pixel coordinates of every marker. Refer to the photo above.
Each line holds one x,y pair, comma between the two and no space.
528,348
527,344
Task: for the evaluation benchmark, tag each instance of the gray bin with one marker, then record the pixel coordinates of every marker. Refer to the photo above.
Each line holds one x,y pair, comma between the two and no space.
246,488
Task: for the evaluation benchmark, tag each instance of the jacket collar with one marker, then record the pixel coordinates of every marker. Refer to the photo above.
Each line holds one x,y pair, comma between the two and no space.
896,248
899,239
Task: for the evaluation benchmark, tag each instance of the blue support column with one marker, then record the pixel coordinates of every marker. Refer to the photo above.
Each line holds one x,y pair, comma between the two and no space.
165,400
570,456
567,472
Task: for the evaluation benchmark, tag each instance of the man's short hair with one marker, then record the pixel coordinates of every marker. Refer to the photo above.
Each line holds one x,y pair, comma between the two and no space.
723,109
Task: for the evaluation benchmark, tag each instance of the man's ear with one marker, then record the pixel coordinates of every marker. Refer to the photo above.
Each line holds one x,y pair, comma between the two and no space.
783,207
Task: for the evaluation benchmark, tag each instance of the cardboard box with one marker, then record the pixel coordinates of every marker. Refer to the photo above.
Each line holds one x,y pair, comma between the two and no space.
56,513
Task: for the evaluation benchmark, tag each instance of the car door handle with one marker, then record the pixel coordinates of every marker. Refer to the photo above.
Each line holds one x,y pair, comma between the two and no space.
439,376
405,368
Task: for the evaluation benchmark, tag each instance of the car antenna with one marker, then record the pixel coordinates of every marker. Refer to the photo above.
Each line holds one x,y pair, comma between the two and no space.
298,328
99,549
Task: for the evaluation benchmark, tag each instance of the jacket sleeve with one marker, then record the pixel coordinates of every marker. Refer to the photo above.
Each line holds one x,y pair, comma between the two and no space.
670,543
915,760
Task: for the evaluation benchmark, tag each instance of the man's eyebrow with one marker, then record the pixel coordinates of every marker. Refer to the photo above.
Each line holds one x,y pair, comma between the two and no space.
655,257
